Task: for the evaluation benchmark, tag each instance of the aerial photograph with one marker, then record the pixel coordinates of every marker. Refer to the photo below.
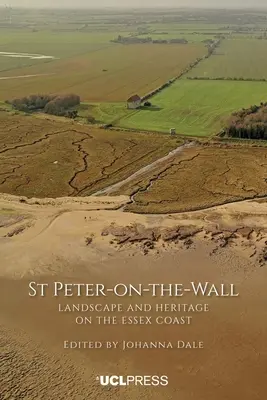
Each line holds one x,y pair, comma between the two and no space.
133,200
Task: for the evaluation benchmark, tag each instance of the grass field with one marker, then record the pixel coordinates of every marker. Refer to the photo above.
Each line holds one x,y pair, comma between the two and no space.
129,69
60,45
197,108
46,158
235,58
105,113
200,178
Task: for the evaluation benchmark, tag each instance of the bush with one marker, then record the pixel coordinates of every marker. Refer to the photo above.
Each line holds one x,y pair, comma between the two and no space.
54,108
50,104
72,114
67,101
147,104
107,126
250,123
91,120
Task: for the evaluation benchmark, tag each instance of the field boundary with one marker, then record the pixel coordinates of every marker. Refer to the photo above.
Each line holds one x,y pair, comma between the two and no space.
185,71
240,79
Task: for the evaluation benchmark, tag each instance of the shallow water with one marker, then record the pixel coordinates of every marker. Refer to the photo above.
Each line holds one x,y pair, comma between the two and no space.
25,55
22,76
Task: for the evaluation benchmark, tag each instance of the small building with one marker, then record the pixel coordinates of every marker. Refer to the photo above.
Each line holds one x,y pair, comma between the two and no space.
134,102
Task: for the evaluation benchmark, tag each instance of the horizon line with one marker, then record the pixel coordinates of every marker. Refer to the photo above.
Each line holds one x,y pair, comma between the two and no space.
41,7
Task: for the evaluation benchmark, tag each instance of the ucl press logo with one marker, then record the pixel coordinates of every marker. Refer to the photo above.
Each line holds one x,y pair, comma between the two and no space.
136,380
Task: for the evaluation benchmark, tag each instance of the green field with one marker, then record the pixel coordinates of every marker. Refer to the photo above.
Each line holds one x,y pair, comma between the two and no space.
56,44
104,74
107,113
236,58
197,108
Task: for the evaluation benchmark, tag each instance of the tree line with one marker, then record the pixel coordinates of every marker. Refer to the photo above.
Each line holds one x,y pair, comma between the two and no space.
49,104
148,39
211,46
225,78
249,123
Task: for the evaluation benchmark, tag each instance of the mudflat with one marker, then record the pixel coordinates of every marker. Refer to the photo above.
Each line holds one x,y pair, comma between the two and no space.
45,156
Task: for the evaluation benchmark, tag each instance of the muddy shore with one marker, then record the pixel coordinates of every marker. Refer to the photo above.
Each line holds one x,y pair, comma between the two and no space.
93,240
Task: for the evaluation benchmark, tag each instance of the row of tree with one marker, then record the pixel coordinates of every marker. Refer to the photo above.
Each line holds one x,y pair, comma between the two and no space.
250,123
224,78
148,39
50,104
211,48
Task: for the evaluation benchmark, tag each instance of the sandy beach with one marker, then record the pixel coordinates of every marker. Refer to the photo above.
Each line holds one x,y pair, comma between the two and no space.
92,240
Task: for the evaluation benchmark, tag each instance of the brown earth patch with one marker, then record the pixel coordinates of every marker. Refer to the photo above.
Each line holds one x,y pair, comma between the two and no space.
137,68
148,239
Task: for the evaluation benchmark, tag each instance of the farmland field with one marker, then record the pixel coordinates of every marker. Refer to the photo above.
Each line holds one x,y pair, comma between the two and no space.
236,58
79,57
46,158
197,108
55,44
112,73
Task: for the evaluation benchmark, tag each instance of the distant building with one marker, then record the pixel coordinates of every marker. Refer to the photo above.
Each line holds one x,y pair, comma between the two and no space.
134,102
